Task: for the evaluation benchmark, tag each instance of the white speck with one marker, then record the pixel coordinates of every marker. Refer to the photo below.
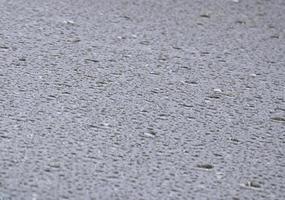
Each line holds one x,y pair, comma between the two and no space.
68,22
106,124
201,186
149,135
253,75
236,1
217,90
34,196
219,175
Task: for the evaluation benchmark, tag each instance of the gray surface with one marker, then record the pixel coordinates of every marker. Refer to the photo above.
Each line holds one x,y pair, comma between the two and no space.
134,99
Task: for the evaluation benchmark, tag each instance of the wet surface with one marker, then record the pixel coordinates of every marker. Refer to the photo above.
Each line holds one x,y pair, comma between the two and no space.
142,100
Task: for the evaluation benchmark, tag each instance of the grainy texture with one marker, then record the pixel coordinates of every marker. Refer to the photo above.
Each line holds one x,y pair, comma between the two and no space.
145,99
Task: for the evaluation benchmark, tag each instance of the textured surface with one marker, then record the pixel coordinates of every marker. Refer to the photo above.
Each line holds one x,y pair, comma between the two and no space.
147,99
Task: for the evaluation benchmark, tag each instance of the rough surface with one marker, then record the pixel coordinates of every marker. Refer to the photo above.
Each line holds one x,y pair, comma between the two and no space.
145,99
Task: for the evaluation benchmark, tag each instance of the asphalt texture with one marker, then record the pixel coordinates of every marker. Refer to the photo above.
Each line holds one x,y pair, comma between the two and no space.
146,99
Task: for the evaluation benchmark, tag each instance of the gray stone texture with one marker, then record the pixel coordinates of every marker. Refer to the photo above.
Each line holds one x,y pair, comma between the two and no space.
142,100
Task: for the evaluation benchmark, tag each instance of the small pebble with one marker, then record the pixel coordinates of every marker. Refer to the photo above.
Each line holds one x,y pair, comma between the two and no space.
278,119
91,60
252,185
205,166
4,47
205,15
